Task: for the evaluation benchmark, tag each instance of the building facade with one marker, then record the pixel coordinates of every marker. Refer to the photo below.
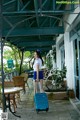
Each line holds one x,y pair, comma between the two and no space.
68,50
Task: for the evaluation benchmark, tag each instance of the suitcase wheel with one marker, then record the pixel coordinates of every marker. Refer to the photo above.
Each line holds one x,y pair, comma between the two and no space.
37,111
47,109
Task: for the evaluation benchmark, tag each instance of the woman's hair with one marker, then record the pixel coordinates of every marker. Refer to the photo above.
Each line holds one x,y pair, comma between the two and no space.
39,55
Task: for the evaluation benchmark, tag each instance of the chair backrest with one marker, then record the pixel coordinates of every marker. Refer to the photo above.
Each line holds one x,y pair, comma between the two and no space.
19,82
25,75
8,84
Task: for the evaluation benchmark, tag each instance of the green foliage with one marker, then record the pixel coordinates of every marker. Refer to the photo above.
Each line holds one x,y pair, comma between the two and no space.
7,70
49,63
8,53
11,52
58,76
24,68
27,54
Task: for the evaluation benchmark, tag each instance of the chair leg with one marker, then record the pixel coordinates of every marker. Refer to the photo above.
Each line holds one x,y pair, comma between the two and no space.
14,103
1,103
27,84
18,97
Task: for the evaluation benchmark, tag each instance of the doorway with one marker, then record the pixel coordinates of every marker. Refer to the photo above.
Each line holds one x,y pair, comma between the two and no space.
77,67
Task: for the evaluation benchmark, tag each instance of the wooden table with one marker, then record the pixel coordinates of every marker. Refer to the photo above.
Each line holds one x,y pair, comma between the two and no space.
8,91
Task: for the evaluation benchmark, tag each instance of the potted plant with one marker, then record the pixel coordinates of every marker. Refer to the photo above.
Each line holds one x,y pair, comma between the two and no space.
56,89
56,80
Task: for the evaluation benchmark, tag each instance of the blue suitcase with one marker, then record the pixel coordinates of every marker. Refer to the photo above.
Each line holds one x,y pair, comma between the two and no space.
41,102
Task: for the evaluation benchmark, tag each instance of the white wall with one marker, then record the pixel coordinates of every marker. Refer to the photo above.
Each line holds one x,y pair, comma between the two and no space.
68,44
69,60
58,52
58,56
69,50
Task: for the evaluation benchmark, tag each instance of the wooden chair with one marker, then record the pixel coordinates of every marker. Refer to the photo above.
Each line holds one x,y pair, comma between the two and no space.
8,84
25,75
19,82
12,96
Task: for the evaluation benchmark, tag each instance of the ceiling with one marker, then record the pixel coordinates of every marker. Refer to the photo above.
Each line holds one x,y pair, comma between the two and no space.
33,24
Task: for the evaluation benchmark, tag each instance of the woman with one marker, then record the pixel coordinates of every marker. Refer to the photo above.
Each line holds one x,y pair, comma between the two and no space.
38,73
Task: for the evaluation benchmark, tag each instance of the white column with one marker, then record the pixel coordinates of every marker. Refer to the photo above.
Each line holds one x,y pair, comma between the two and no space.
69,60
54,64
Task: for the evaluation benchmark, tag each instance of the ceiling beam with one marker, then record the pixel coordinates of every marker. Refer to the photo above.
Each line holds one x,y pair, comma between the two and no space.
54,12
37,47
34,49
54,4
18,40
47,43
42,24
19,5
43,4
25,5
34,31
36,9
7,21
10,2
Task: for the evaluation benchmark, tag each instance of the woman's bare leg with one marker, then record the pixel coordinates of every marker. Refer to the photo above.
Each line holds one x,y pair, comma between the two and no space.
35,83
41,86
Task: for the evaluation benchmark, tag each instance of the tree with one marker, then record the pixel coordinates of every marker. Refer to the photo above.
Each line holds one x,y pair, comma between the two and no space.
15,54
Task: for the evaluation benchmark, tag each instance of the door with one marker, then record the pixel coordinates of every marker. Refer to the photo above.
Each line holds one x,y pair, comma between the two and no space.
77,67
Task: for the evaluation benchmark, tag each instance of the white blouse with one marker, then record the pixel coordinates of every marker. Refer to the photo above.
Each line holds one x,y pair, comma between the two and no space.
37,61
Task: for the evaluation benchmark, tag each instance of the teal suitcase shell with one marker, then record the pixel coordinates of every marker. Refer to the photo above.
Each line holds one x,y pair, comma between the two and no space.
41,102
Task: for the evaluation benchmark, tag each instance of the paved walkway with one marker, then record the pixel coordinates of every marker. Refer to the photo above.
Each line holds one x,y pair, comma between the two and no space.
58,110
